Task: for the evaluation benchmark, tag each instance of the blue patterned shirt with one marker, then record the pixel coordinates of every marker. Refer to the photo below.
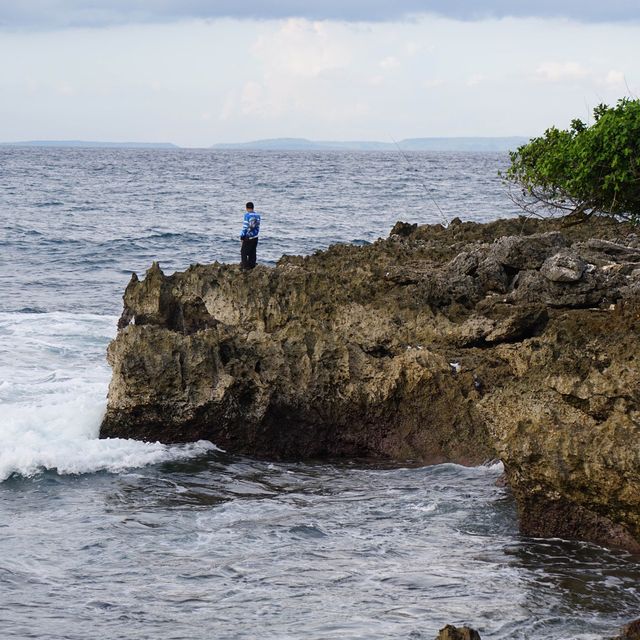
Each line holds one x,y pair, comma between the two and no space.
250,225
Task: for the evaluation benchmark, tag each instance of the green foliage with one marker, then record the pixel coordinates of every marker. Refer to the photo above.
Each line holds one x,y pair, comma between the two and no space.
584,169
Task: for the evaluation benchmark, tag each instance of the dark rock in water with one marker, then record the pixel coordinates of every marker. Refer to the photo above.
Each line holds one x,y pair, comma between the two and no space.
516,339
630,631
457,633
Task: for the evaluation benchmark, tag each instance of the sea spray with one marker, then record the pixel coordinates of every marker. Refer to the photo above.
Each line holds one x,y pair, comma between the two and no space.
53,385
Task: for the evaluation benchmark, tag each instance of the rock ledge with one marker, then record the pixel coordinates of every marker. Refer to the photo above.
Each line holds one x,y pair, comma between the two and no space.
516,339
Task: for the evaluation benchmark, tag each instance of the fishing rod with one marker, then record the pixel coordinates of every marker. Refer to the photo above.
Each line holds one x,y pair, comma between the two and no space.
444,218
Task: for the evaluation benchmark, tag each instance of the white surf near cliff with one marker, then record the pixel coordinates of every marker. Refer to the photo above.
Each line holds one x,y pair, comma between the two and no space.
53,386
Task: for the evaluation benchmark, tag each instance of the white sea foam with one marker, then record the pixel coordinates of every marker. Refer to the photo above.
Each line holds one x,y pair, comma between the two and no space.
493,466
53,385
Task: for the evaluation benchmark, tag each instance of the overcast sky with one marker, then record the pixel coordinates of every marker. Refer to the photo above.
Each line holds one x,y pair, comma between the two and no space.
195,72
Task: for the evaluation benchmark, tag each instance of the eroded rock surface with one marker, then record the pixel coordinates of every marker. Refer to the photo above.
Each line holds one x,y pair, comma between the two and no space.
515,339
630,631
457,633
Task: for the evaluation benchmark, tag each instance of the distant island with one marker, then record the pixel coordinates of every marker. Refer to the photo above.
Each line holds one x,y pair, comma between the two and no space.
409,144
86,144
302,144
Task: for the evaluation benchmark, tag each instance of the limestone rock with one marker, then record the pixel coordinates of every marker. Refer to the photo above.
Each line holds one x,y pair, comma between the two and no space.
563,267
567,427
533,286
615,251
527,252
523,322
275,367
403,229
630,631
457,633
347,353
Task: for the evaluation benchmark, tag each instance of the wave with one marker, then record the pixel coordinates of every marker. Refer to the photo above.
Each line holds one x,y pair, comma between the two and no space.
53,385
62,436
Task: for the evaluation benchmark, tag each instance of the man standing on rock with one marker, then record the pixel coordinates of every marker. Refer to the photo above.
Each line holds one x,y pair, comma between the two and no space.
249,238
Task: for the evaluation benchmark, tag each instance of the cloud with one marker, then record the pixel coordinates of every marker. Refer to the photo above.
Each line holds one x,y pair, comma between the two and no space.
56,14
476,79
436,83
561,71
413,48
389,63
252,100
297,68
65,89
301,48
614,79
572,72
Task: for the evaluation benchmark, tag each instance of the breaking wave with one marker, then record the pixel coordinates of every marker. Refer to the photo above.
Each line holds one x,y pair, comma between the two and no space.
53,386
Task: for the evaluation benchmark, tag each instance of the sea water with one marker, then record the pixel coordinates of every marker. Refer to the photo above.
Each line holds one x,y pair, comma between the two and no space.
124,539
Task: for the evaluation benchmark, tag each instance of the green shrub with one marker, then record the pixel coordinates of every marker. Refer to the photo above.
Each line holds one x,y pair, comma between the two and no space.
585,169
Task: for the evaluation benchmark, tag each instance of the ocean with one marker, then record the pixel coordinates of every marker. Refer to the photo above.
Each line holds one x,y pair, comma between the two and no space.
124,539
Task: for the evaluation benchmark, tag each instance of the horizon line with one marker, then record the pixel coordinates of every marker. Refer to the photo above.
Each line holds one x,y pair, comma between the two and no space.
278,139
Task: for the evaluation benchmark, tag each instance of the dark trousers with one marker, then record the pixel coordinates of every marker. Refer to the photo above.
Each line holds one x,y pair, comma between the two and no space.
248,253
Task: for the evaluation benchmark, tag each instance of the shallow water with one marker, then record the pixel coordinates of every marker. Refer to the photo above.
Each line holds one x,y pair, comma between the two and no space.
232,548
123,539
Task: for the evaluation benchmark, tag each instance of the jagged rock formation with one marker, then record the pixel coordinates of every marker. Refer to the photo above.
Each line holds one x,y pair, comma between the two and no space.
515,339
630,631
457,633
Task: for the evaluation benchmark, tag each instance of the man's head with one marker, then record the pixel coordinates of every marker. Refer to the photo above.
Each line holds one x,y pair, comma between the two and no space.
249,206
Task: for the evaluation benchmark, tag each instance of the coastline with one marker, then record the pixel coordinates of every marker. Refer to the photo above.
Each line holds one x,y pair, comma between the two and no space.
510,339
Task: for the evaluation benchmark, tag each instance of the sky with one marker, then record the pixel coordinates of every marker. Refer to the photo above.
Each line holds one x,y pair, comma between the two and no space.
197,72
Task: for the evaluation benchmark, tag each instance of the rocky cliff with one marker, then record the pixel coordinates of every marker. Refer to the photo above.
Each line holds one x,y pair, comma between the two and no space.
515,339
